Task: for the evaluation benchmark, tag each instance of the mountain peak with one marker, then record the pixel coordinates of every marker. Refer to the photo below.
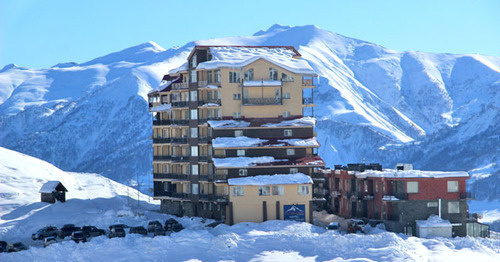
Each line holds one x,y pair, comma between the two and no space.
137,53
8,67
273,29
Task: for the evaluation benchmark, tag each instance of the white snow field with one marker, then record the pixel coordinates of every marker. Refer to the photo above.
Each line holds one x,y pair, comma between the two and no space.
95,200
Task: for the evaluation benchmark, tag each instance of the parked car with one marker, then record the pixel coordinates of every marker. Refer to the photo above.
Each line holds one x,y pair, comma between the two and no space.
3,246
138,230
49,241
92,231
67,230
177,227
333,226
78,237
116,231
169,223
16,247
119,225
159,231
152,225
355,226
45,232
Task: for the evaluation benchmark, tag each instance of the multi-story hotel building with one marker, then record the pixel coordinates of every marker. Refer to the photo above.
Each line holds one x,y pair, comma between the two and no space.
231,112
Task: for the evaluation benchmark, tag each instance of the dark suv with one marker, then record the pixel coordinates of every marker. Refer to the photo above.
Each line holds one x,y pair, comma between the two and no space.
92,231
116,231
78,237
49,231
67,230
152,225
16,247
169,223
138,230
3,246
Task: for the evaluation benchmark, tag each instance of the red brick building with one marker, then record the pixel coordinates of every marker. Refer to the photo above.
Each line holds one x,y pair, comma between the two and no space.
399,197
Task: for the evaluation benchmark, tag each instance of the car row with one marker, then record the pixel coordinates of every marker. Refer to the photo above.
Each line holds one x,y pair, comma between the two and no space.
15,247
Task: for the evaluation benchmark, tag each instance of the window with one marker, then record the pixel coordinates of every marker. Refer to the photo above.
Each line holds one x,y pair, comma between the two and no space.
249,74
273,74
452,186
218,206
234,77
243,172
287,132
194,132
432,204
383,187
286,78
454,207
240,152
366,186
209,77
194,188
165,186
278,190
221,172
290,151
194,95
238,133
193,76
376,186
219,152
286,95
194,150
194,170
236,115
237,96
264,191
194,114
294,170
217,76
193,61
303,190
286,114
236,191
411,187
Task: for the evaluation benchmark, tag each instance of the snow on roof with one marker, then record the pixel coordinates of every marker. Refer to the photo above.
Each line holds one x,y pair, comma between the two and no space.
240,141
279,179
227,123
49,187
238,57
389,198
301,142
162,107
262,83
391,173
304,121
183,67
244,161
433,221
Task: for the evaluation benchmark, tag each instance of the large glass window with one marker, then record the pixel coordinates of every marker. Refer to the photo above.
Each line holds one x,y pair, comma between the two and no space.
273,74
453,207
194,170
286,78
195,188
194,96
303,190
193,75
278,190
234,77
194,150
209,77
194,114
217,76
412,187
238,191
243,172
194,132
249,74
264,191
452,186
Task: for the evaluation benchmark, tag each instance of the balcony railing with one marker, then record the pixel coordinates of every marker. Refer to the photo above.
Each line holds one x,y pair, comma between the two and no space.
170,176
162,158
205,196
178,86
203,139
162,122
161,140
221,198
203,158
209,101
203,120
180,122
307,101
179,140
307,82
180,104
180,158
317,175
202,84
162,194
262,101
180,195
203,177
318,195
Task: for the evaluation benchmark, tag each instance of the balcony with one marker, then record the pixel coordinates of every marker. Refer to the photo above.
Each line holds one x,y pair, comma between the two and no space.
178,140
162,158
221,198
179,86
307,82
307,101
203,139
180,104
162,122
180,195
205,196
180,158
161,140
162,194
318,195
204,120
203,177
202,84
182,122
262,101
204,158
170,176
209,101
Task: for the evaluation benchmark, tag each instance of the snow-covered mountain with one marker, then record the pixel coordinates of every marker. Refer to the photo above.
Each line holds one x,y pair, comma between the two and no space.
437,111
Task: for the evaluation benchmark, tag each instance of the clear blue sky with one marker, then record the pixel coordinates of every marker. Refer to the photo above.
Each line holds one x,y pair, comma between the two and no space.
43,33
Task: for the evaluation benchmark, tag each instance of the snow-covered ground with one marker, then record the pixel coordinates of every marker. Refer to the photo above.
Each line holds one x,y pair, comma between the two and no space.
95,200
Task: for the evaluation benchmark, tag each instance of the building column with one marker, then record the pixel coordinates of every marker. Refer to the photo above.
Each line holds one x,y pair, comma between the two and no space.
264,211
310,211
231,217
278,210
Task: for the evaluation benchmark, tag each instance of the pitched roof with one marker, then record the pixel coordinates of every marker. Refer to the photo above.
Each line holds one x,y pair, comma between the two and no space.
50,186
279,179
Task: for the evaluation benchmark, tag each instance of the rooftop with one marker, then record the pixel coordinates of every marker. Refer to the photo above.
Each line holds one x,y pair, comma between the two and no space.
235,162
391,173
243,141
279,179
270,122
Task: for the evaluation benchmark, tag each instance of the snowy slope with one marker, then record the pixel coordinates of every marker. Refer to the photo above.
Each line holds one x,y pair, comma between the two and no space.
438,111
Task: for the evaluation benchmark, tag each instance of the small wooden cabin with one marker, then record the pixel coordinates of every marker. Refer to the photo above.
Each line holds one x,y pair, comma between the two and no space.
53,191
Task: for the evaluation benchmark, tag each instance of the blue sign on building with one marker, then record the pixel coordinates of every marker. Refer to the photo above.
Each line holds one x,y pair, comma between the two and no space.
295,212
